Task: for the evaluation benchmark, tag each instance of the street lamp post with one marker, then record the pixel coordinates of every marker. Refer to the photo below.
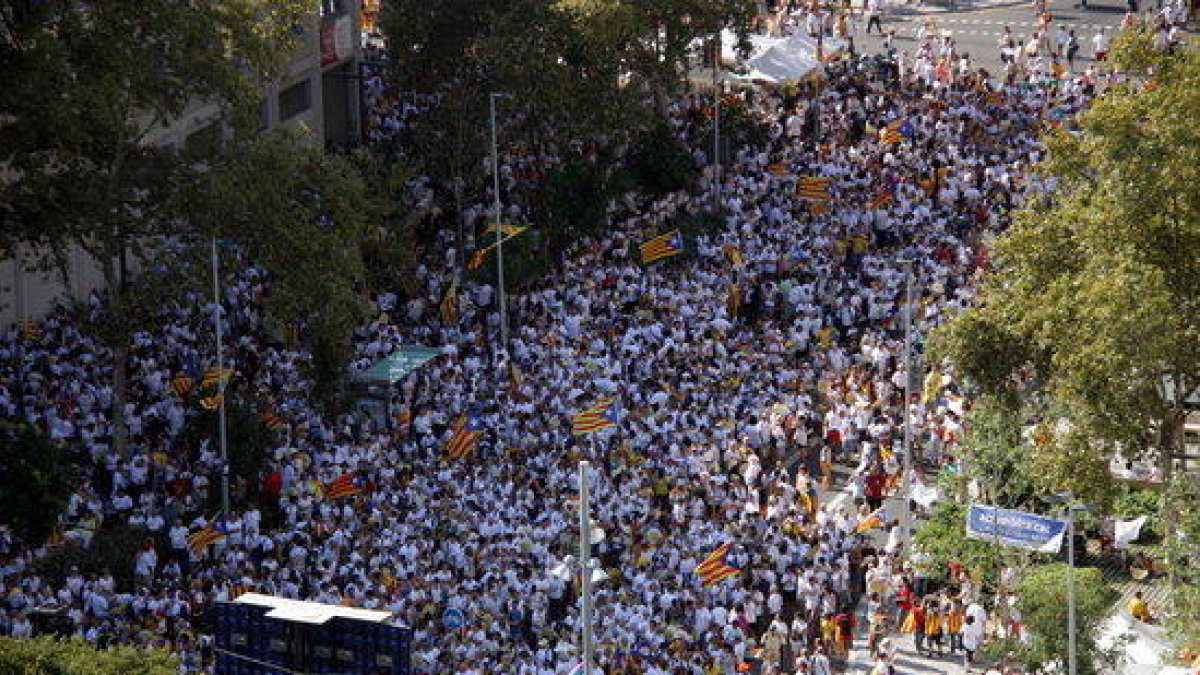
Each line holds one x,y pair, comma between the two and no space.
588,569
906,452
221,430
499,230
1069,507
585,557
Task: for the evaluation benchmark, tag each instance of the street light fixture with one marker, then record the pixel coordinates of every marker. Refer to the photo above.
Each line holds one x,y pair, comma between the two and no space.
1070,508
499,230
589,533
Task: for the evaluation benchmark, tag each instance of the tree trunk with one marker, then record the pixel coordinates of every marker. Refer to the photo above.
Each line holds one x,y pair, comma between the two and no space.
1170,440
116,335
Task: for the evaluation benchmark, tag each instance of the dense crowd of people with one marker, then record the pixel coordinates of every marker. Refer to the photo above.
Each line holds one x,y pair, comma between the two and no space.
744,370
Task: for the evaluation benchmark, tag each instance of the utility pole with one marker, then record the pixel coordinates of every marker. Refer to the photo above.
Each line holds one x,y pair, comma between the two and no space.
1070,507
499,230
717,126
906,453
1070,589
585,566
216,277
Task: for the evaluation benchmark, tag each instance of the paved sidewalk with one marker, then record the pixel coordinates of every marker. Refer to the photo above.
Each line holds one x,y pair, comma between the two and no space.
907,660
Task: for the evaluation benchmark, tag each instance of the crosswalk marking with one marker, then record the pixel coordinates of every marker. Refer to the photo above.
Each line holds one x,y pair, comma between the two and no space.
1014,24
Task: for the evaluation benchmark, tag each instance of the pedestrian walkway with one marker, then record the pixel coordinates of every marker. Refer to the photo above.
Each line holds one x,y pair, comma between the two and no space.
968,25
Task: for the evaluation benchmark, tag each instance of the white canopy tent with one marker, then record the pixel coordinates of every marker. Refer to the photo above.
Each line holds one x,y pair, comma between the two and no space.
777,60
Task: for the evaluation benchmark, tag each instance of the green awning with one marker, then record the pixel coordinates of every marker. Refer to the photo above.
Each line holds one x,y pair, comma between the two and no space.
394,367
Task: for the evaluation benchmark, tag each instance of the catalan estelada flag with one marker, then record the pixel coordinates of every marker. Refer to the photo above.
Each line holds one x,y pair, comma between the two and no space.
815,188
714,569
271,420
467,430
881,199
449,306
779,170
600,416
477,259
479,256
734,253
214,377
662,246
876,518
204,537
342,486
506,229
895,132
181,384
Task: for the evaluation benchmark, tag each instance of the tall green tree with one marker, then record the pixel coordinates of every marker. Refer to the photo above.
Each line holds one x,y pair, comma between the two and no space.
1094,299
85,88
1180,519
35,482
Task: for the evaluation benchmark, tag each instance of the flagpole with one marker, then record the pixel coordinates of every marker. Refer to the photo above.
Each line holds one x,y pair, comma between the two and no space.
585,566
221,430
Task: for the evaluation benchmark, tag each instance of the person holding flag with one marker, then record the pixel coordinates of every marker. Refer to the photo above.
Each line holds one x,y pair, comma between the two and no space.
465,438
714,568
599,416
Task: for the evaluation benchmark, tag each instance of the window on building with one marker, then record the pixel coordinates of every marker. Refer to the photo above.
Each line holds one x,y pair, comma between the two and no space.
294,100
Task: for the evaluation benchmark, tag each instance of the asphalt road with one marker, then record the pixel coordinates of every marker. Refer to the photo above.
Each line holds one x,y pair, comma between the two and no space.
976,25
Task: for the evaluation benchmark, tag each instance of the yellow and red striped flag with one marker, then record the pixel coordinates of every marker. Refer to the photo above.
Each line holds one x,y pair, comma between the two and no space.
449,305
779,170
467,431
734,253
271,420
662,246
600,416
895,132
181,384
342,486
881,199
203,538
714,569
214,377
815,188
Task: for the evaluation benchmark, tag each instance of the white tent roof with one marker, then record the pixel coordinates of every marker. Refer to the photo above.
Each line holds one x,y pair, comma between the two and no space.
309,612
773,59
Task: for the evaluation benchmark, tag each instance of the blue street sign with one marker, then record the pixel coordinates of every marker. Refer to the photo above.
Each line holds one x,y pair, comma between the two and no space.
1015,528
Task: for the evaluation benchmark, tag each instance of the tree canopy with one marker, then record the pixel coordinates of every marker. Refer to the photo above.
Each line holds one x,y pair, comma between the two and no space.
1094,297
86,89
1042,601
44,655
34,482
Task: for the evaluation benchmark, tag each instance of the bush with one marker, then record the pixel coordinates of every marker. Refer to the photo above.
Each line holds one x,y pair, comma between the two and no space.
35,477
1042,601
48,656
